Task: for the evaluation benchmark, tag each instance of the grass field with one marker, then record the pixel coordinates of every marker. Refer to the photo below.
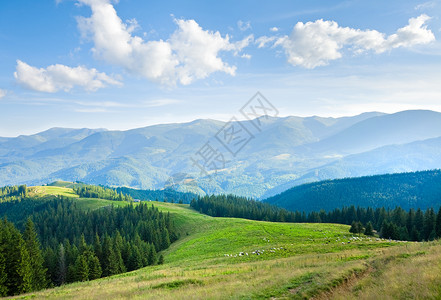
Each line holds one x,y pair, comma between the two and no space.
295,261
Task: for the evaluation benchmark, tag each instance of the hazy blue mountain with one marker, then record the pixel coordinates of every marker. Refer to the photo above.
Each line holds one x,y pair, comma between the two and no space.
284,152
399,128
55,138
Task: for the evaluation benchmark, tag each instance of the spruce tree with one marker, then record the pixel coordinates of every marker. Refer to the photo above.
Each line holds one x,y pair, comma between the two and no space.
3,273
151,255
438,224
24,270
94,265
81,269
429,223
165,239
414,234
97,247
61,266
135,261
161,259
369,229
36,261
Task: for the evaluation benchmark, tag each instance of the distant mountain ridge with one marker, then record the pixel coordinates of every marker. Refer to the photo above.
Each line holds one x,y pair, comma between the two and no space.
286,152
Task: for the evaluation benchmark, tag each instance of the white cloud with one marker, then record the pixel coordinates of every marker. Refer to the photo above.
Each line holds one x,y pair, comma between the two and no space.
274,29
59,77
264,40
316,43
189,54
243,25
2,93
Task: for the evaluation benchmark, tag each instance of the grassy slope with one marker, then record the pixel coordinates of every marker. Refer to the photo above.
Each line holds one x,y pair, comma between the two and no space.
313,262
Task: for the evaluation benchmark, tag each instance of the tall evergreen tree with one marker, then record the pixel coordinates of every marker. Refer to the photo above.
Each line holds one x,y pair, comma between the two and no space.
3,272
369,229
438,224
81,269
24,270
61,266
94,265
429,224
135,259
36,261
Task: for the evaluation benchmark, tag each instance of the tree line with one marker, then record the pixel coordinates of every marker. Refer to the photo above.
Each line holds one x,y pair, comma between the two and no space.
21,261
167,195
398,224
403,190
13,193
70,244
93,191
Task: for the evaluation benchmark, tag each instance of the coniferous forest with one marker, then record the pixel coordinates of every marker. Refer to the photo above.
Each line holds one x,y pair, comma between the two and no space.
12,193
397,224
93,191
61,243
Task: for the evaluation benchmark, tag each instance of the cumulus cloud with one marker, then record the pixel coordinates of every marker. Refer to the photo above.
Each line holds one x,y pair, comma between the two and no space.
190,53
59,77
274,29
314,44
2,93
243,25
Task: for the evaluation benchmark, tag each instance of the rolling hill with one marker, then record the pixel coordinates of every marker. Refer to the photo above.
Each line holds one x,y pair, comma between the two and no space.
296,261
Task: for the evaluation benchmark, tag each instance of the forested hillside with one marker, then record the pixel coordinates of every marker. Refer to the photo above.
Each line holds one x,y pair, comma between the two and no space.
398,224
407,190
69,243
167,195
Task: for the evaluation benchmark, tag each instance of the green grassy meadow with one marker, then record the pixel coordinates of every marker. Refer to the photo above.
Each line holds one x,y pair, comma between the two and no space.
214,259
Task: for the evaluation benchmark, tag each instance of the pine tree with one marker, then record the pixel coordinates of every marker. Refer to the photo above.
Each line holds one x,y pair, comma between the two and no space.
16,260
81,269
3,273
83,245
36,261
50,263
438,224
356,227
429,223
97,247
24,270
165,239
94,265
151,255
161,259
369,229
135,259
414,234
419,220
61,266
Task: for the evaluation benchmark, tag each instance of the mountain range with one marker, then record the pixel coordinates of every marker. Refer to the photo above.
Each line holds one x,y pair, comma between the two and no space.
279,154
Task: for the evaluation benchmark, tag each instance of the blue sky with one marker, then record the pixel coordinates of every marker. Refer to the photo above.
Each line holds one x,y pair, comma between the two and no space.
132,63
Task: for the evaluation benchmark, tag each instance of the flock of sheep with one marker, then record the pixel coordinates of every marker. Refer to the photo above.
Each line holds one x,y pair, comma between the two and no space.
343,241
